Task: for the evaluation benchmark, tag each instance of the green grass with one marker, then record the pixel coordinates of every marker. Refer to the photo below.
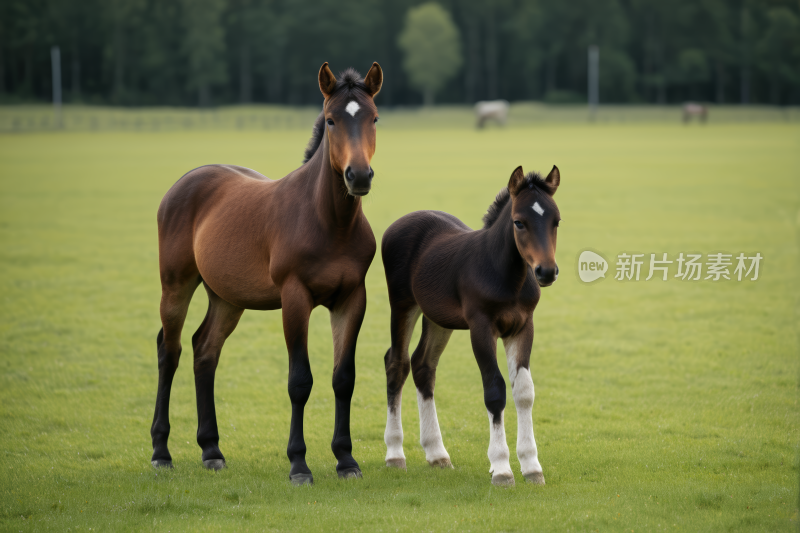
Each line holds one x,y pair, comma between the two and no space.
660,405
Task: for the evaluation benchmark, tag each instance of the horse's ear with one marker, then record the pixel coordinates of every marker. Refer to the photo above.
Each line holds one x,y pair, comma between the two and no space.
374,80
327,81
553,180
516,180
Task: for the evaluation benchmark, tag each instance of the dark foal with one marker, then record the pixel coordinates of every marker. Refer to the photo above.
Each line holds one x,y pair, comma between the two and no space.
291,244
486,281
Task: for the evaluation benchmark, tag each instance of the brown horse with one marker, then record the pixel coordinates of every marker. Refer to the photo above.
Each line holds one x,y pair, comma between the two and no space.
291,244
486,281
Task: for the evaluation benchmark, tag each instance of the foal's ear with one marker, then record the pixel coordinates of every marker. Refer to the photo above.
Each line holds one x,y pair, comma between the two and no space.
553,180
374,80
516,180
327,81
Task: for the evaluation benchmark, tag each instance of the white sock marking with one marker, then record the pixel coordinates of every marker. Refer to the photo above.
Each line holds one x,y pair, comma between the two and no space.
429,434
522,389
538,208
352,108
498,448
393,437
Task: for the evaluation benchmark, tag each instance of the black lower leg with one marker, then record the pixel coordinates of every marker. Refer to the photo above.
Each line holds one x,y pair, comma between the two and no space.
300,383
344,379
159,430
207,431
494,394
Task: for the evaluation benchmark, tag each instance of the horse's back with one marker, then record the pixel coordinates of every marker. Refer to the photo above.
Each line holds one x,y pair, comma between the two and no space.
181,210
408,239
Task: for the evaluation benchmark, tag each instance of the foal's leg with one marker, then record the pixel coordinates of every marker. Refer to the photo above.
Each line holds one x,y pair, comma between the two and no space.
296,305
398,366
518,353
484,345
175,300
423,367
346,318
220,321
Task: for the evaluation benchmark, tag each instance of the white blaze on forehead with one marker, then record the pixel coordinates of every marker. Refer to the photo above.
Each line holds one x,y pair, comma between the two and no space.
538,208
352,108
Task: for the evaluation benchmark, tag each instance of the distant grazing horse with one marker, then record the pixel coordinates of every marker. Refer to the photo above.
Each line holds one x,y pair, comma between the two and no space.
291,244
486,281
493,109
691,109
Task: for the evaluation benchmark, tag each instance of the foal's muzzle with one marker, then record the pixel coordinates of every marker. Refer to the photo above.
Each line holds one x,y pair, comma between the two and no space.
546,276
359,182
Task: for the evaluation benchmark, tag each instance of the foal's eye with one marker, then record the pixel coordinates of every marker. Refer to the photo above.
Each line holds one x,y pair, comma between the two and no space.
558,223
375,121
518,224
330,122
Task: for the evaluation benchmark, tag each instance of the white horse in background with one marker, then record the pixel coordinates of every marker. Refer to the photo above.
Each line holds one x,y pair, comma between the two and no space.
492,109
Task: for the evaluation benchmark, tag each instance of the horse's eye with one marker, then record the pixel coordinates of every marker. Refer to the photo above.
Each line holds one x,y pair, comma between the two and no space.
330,122
375,121
558,223
518,224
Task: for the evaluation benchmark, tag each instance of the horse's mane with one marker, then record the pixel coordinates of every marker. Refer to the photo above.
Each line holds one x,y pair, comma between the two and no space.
349,80
532,180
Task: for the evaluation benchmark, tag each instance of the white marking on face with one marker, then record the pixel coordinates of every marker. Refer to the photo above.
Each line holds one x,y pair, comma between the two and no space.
538,208
352,108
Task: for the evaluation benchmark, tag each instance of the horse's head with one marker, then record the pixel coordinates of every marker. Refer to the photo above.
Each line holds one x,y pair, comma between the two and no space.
350,117
536,217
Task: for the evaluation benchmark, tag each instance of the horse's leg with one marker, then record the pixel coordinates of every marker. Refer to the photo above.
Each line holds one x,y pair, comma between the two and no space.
347,314
398,365
518,353
423,367
220,321
175,299
484,345
297,304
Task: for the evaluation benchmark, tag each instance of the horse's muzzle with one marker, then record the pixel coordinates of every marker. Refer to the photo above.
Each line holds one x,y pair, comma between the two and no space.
358,182
546,276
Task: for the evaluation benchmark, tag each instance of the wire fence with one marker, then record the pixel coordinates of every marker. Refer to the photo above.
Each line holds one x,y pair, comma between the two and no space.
39,118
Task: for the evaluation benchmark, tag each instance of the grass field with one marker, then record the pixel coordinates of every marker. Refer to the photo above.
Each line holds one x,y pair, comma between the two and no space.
660,406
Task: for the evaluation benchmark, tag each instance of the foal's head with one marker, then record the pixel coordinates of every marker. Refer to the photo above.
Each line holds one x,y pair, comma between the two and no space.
536,219
350,117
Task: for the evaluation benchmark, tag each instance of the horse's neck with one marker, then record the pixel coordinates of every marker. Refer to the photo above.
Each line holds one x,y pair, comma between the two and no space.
331,200
502,249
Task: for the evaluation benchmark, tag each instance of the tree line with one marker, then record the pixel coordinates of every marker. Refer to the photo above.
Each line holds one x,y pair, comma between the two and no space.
212,52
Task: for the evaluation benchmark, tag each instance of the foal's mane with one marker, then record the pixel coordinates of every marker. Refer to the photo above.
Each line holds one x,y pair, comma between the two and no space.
348,83
533,180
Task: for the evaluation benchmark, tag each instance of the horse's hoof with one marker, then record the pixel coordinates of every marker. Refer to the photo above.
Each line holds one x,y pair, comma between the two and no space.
301,479
537,478
162,463
214,464
396,463
503,480
350,473
441,463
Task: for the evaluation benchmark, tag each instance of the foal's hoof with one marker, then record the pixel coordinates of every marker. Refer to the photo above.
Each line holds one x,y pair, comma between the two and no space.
214,464
162,463
350,473
503,480
444,462
301,479
396,463
537,478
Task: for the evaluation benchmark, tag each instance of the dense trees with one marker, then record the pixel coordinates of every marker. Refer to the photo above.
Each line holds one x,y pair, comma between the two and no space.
207,52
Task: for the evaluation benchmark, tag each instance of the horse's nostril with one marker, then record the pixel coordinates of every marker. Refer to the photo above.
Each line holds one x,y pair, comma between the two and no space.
538,271
349,174
371,173
556,270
